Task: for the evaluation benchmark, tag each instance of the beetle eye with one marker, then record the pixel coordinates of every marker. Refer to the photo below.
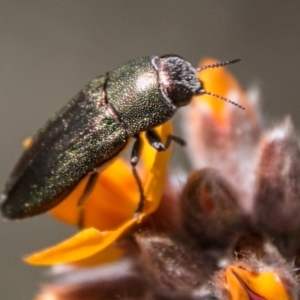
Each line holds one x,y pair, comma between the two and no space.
180,95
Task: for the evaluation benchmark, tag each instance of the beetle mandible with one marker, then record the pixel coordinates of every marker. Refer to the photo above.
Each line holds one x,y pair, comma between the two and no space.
95,126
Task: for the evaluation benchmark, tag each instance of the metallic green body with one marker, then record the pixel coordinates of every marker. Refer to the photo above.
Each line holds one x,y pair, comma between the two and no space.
134,91
94,127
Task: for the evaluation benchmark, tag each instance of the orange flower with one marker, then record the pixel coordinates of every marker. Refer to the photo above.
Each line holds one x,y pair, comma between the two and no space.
251,279
109,210
243,284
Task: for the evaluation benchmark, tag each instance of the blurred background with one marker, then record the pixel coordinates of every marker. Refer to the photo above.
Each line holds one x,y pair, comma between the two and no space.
50,49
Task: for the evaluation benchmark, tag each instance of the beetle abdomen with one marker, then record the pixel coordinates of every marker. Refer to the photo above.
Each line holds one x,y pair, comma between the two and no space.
76,141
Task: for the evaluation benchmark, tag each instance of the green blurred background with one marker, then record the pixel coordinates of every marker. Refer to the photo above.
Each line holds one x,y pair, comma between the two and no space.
50,49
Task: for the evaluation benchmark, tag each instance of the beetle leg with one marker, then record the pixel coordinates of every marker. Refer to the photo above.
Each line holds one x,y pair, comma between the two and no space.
155,141
88,188
80,223
86,192
135,156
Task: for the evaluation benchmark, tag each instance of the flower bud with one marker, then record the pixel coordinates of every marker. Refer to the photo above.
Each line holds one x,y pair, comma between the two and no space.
175,269
277,199
209,209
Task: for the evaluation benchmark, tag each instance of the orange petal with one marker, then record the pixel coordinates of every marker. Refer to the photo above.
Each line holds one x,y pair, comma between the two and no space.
82,245
267,285
219,81
105,256
157,162
111,202
90,241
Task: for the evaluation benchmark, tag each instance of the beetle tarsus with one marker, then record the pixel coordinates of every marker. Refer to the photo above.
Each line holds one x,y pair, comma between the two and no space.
80,223
155,140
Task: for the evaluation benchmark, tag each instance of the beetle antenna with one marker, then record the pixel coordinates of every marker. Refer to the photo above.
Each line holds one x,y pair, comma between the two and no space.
220,64
202,91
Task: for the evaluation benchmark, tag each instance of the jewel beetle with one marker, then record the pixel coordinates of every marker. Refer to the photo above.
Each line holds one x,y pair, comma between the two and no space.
95,126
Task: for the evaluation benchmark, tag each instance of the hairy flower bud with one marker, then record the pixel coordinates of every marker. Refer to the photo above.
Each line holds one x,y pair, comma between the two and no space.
209,209
277,199
174,268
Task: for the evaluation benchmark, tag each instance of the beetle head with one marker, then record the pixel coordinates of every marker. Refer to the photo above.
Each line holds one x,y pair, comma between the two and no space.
178,79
